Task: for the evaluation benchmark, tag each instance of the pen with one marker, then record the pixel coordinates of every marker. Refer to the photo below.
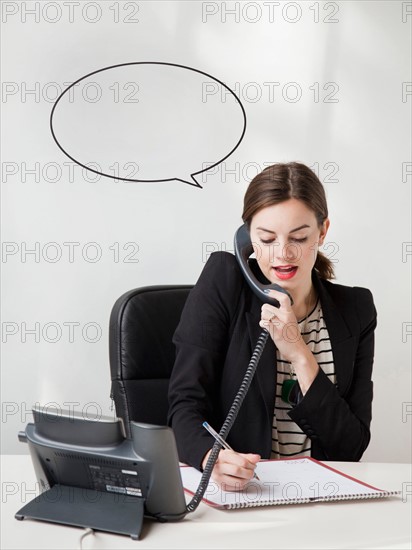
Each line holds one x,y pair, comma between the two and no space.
222,442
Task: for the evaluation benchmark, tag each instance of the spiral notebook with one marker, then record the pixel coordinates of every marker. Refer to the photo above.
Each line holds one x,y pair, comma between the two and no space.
285,481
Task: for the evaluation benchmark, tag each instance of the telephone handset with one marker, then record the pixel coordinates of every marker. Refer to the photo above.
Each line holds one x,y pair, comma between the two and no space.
291,392
243,249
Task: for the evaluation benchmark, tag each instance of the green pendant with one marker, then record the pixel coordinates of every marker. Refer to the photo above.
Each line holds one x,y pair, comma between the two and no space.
287,388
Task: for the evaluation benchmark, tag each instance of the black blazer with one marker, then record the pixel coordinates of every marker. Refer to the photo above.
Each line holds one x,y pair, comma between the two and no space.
214,340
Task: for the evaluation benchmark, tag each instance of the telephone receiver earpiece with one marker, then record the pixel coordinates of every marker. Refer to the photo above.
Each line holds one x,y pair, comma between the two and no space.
243,249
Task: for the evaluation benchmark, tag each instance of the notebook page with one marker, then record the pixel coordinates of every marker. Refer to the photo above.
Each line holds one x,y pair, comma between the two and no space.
296,480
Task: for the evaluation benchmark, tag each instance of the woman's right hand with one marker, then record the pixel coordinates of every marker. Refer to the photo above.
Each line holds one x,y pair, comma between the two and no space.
232,470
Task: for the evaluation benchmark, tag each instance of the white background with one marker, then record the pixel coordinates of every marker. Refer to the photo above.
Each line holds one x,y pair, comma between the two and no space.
349,63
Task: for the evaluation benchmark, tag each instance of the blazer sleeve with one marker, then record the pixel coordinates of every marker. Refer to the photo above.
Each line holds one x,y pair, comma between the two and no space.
339,425
201,341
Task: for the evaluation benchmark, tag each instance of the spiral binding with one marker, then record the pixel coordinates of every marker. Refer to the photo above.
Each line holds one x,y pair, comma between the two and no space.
281,501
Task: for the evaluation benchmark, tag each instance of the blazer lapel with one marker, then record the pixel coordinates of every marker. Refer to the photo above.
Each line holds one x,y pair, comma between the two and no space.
342,341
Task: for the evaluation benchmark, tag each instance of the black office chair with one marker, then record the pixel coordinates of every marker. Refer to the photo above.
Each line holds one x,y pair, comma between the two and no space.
142,354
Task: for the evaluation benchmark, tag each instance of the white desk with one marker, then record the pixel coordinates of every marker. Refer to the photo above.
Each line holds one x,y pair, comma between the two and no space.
379,524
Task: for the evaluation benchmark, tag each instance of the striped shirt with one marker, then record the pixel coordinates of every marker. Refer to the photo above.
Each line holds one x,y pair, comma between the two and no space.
287,438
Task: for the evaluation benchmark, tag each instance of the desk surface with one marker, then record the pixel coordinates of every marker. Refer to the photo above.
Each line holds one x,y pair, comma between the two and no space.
379,524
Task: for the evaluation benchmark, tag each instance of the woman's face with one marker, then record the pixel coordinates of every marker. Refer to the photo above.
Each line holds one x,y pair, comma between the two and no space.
285,238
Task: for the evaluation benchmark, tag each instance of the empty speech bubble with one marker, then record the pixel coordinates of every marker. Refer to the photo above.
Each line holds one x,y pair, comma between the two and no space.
148,122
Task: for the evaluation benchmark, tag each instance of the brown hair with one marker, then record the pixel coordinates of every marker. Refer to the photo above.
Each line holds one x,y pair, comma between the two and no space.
283,181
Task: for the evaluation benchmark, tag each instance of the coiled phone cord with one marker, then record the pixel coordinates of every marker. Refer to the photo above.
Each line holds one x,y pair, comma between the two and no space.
230,419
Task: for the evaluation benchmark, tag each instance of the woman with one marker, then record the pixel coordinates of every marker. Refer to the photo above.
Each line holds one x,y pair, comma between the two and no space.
324,341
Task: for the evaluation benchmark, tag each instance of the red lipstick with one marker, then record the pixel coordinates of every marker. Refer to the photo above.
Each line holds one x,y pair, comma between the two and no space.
284,272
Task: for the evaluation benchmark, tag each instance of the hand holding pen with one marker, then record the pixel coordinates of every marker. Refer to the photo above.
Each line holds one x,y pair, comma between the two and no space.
222,442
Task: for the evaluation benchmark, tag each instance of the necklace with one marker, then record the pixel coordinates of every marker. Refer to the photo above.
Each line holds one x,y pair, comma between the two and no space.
290,387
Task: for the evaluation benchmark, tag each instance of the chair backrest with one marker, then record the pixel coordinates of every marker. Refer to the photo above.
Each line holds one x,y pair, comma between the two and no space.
142,354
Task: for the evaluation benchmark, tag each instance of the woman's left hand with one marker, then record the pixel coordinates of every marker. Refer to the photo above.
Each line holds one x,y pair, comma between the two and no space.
284,330
283,327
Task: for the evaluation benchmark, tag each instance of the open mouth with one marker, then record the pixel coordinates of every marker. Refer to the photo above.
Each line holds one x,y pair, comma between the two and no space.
285,271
